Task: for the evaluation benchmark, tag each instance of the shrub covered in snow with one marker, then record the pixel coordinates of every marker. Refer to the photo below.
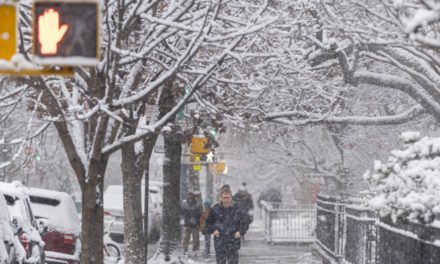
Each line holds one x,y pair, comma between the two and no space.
407,186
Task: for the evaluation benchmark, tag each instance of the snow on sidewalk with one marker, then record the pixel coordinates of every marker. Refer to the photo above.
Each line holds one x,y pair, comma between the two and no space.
255,250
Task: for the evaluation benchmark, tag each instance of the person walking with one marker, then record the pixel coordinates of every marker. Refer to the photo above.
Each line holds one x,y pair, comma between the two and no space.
245,203
191,212
227,224
204,227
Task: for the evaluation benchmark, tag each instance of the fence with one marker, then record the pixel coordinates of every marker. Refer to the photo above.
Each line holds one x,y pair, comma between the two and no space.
348,232
284,223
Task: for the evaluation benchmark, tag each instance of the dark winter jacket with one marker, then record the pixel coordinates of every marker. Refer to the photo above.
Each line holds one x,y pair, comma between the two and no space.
191,212
227,221
245,203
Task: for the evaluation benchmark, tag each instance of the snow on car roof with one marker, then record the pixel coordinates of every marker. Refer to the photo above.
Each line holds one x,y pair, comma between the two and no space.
113,198
14,188
4,213
5,229
57,207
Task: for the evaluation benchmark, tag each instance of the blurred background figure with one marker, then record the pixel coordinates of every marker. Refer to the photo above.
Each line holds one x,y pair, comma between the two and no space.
203,228
245,204
191,211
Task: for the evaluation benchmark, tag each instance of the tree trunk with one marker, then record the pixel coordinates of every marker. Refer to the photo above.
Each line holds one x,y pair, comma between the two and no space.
92,214
169,246
170,250
149,143
133,227
337,132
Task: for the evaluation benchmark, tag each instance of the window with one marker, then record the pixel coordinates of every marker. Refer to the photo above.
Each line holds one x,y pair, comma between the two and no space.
10,200
44,200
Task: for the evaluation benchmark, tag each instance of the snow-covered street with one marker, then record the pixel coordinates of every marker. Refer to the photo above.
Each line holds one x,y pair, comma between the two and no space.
255,250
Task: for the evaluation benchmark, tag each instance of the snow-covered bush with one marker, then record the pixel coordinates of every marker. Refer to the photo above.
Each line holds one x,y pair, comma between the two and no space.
407,186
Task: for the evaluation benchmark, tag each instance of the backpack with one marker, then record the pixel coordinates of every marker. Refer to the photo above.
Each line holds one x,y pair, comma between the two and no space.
205,214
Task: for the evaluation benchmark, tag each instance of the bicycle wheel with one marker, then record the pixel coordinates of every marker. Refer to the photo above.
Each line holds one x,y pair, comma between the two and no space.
112,251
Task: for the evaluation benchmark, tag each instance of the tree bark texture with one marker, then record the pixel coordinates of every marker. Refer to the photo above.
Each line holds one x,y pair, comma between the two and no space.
170,250
149,143
169,247
133,225
92,214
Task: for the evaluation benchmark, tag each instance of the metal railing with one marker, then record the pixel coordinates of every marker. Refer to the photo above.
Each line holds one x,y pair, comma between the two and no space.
283,223
348,232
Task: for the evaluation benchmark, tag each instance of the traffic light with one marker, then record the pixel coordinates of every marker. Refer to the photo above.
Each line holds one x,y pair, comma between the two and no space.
66,33
37,157
8,30
198,145
220,167
213,132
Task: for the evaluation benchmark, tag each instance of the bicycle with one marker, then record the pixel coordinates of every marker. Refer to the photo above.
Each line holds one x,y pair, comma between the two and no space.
112,251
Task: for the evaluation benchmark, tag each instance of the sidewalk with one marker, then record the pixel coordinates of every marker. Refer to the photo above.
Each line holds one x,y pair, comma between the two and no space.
255,250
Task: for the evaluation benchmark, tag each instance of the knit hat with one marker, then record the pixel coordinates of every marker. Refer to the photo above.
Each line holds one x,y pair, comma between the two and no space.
243,187
207,203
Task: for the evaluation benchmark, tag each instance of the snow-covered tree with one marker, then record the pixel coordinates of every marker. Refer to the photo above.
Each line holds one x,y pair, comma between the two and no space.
419,21
145,46
406,185
28,153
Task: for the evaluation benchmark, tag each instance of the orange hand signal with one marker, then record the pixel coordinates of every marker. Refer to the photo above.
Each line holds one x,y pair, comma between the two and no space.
49,31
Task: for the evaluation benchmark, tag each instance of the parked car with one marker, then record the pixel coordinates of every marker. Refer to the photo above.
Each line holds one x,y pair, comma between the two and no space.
113,211
62,227
156,197
156,194
24,221
11,250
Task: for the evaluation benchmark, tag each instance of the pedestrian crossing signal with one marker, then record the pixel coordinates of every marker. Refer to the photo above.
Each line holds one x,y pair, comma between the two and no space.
66,33
8,29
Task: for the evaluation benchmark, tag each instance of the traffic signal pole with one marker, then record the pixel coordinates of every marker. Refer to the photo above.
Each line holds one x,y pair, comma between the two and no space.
209,183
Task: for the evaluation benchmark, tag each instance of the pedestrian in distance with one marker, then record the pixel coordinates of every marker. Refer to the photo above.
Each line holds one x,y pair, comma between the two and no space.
245,203
191,211
204,228
227,225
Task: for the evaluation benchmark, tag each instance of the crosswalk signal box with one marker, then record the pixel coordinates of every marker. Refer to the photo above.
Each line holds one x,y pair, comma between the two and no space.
66,33
8,31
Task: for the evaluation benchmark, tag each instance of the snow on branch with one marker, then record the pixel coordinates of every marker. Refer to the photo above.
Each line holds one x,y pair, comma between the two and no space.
170,24
399,83
351,120
246,31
